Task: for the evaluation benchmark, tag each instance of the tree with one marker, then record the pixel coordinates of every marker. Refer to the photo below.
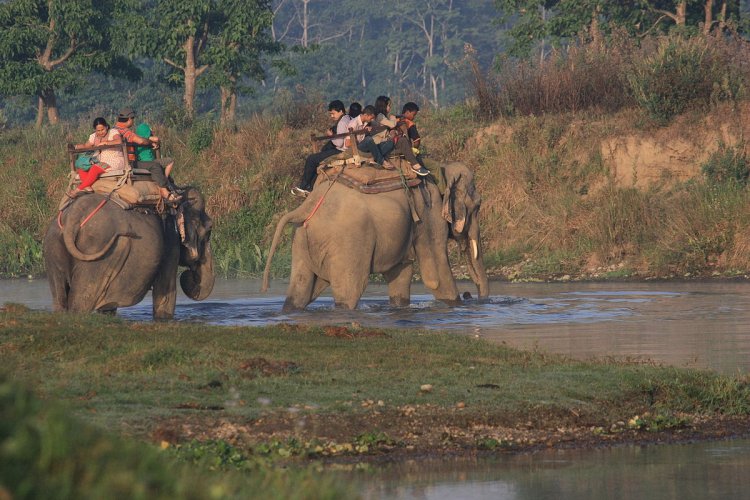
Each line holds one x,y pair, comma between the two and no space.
536,23
48,45
176,32
238,50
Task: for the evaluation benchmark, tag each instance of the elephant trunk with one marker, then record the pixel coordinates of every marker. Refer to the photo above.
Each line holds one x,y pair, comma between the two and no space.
198,281
70,235
475,259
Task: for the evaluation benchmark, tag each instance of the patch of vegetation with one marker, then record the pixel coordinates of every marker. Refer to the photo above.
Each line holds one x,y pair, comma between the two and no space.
727,165
201,135
95,364
47,454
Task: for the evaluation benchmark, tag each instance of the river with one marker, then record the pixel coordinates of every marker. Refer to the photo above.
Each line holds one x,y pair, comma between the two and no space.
701,324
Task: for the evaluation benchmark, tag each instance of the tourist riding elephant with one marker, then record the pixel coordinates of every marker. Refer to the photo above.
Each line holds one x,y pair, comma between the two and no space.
99,258
461,203
344,235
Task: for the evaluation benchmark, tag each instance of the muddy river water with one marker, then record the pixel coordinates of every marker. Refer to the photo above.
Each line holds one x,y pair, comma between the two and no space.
694,324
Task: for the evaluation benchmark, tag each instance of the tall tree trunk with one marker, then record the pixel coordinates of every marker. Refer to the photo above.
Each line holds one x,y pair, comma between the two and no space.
228,105
50,100
709,16
596,33
39,112
47,100
681,13
190,76
433,84
305,23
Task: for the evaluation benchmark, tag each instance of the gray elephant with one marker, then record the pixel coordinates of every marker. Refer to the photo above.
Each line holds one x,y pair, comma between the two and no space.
344,235
461,203
100,257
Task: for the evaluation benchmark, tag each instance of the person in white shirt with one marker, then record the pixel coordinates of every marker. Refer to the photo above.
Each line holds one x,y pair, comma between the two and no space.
336,111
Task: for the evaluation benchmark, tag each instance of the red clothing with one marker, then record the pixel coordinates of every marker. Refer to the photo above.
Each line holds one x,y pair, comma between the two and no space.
88,178
127,136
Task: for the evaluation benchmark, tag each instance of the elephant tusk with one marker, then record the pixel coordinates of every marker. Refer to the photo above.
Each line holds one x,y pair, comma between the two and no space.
474,249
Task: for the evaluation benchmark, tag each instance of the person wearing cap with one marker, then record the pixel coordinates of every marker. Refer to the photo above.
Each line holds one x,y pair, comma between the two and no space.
125,120
145,158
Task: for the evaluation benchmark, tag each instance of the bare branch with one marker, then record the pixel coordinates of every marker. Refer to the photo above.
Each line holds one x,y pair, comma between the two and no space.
201,70
65,56
652,27
173,64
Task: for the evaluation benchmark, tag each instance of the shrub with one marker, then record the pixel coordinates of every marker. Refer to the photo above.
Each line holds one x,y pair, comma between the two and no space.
679,72
664,75
727,165
201,135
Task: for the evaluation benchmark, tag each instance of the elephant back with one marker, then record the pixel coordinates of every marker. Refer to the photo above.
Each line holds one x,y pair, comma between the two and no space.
370,180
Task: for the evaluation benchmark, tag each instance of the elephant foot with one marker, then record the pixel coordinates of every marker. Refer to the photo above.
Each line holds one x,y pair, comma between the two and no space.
400,301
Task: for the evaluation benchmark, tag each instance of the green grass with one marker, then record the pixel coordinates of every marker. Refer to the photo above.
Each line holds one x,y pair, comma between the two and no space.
105,385
46,453
126,375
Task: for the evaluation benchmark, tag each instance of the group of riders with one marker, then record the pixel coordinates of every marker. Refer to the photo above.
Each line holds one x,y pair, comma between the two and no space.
376,131
141,146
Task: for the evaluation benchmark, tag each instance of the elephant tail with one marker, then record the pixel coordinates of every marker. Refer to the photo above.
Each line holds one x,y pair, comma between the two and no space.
296,216
70,235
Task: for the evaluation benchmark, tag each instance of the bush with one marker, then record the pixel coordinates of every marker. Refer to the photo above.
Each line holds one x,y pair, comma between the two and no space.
664,75
668,81
727,165
201,135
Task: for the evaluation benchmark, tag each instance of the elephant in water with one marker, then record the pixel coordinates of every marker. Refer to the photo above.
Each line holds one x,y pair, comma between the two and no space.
343,236
105,258
461,202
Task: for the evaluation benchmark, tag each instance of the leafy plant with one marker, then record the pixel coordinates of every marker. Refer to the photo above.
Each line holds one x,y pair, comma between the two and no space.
727,165
201,135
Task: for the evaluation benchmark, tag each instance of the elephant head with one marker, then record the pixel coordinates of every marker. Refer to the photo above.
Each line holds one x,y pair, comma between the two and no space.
461,203
195,251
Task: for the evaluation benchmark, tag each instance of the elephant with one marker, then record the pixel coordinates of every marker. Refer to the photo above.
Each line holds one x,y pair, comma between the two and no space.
461,203
343,236
100,256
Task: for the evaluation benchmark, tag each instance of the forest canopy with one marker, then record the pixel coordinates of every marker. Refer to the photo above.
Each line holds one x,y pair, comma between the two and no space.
220,58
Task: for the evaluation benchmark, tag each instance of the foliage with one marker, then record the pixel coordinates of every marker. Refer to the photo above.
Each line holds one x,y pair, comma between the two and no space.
52,45
537,24
663,75
46,453
201,135
680,72
727,165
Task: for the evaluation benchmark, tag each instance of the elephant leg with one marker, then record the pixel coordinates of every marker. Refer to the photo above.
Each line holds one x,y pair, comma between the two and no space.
300,291
399,284
319,286
348,288
164,290
59,285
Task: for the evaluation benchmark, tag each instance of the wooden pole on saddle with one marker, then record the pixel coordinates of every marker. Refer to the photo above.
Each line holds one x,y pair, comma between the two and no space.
355,149
409,194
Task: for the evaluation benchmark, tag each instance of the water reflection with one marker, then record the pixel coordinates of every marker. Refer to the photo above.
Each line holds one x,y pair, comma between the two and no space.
692,471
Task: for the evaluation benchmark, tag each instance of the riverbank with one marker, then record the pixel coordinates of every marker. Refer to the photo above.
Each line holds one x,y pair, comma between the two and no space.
574,195
298,394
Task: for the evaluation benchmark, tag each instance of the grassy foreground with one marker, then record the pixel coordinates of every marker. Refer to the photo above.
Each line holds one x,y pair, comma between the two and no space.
247,398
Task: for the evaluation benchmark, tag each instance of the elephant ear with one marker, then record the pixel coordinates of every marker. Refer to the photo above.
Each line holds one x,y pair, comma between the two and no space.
454,206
